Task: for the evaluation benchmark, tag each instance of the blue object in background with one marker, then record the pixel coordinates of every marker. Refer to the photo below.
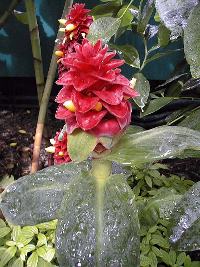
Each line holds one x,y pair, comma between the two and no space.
15,45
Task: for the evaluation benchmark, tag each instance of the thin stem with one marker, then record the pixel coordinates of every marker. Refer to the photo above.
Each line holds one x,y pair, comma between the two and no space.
8,12
101,170
126,9
36,48
145,54
45,99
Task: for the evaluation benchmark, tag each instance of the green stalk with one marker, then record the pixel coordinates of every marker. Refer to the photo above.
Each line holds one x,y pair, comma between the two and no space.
45,99
101,170
8,12
36,48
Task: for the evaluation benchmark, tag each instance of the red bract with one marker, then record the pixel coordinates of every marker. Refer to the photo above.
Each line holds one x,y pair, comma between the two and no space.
76,25
61,155
94,94
78,17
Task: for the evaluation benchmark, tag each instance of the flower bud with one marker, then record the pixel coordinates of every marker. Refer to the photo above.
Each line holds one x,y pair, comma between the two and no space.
71,36
62,30
62,21
59,53
69,105
70,27
98,106
52,141
50,149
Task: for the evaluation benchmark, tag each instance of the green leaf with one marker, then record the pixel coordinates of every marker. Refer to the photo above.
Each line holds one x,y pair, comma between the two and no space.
29,231
159,55
36,198
153,259
49,255
165,256
185,221
148,181
145,261
25,250
160,206
41,251
163,36
116,239
42,240
21,16
160,241
16,232
80,144
192,120
128,53
174,13
7,256
157,104
192,42
105,9
142,86
145,16
2,223
32,260
4,231
127,17
155,144
18,263
103,28
47,225
181,258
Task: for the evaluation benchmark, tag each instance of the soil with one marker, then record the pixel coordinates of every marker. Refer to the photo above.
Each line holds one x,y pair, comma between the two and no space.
17,130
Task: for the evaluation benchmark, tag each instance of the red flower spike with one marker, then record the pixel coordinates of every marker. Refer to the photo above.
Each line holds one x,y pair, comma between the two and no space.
97,89
61,155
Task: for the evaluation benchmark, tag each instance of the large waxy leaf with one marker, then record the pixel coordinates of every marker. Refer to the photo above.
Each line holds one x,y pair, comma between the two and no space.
98,235
105,9
145,16
80,144
103,28
192,120
157,104
185,221
192,42
142,86
155,144
174,13
163,35
35,198
129,54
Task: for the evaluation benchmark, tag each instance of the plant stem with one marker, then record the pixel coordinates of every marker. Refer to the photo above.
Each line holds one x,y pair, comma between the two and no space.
36,48
129,4
101,170
8,12
45,99
145,54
